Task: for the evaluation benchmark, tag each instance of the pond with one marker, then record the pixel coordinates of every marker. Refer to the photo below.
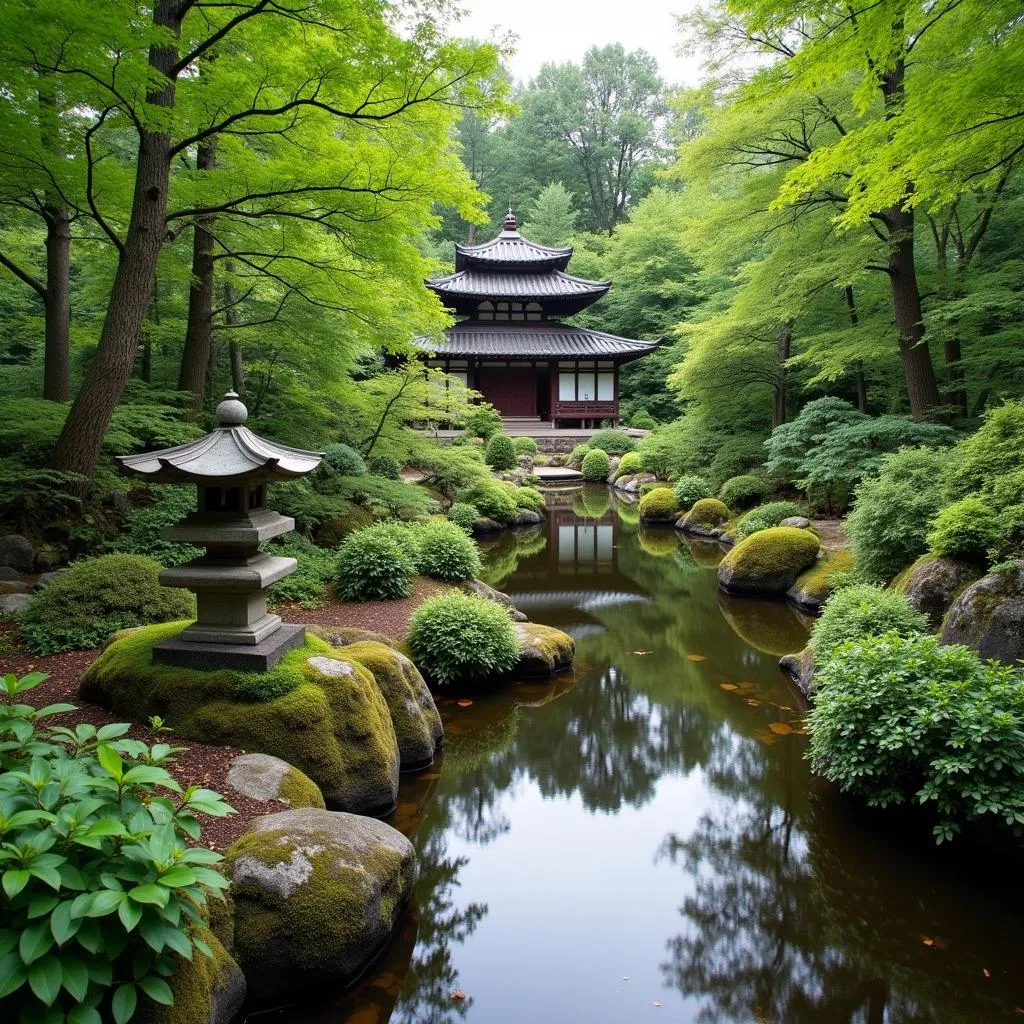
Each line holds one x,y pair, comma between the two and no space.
641,839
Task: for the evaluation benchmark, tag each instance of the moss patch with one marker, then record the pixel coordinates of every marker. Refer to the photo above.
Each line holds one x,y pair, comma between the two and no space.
768,561
813,587
199,985
707,516
543,650
335,728
299,790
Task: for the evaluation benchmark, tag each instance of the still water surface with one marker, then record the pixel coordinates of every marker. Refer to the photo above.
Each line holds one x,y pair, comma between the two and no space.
640,840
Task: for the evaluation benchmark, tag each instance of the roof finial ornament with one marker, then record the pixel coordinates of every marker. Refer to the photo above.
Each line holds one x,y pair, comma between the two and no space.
231,412
509,223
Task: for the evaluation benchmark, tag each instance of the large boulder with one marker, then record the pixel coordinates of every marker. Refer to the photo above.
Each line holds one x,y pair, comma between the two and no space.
7,573
13,604
526,517
265,777
543,650
632,484
16,552
989,616
768,562
317,895
315,709
207,990
706,518
933,583
800,668
413,712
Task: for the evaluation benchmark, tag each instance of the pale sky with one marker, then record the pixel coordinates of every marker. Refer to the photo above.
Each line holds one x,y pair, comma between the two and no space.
561,30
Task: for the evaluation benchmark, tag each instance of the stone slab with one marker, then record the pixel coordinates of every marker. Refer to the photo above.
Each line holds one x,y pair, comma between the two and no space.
257,573
557,473
247,657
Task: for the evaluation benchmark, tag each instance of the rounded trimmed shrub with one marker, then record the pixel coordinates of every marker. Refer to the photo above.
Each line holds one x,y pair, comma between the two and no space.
630,464
530,498
99,596
483,421
614,442
524,445
578,454
744,491
659,506
492,499
691,489
966,529
765,516
343,460
864,610
708,513
386,466
455,638
463,515
444,552
642,420
596,466
901,719
500,453
374,565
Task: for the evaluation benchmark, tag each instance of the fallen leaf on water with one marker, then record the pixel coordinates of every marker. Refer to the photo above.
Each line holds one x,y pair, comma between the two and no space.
800,732
728,686
694,657
753,703
640,654
985,971
784,707
934,943
465,703
747,686
780,728
458,994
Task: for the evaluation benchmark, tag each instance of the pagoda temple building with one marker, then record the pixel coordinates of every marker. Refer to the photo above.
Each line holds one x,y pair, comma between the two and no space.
510,343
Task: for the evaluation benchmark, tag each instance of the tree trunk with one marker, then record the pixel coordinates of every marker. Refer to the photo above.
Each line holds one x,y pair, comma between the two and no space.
234,349
199,332
78,446
779,390
922,388
57,351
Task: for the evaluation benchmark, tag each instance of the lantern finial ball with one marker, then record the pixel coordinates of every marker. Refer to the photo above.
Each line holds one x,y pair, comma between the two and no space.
231,412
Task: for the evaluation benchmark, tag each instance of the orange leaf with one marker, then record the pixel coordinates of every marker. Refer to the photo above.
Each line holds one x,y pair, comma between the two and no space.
985,971
780,728
465,703
753,703
728,686
692,657
928,942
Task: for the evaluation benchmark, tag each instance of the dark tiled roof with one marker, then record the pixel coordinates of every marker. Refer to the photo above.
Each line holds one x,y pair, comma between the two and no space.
511,248
552,339
520,287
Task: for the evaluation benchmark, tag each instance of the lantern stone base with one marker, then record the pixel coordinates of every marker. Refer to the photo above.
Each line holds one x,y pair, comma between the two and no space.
248,657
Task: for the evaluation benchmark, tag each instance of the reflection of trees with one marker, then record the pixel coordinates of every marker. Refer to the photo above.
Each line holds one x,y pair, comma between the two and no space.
502,554
592,501
774,627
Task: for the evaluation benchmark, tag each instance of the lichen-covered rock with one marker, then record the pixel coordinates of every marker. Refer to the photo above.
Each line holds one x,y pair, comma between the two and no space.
342,636
705,519
413,712
16,552
933,583
631,484
265,777
768,562
206,991
814,586
13,604
800,668
50,556
989,616
477,588
543,650
317,895
797,522
320,712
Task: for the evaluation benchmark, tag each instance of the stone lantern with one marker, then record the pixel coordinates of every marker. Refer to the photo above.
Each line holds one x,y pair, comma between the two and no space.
231,468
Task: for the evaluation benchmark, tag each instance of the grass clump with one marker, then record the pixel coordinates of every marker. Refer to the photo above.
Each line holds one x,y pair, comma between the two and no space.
864,610
596,465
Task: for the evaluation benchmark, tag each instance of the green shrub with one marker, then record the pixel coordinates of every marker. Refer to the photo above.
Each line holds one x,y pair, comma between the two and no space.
105,878
451,470
596,465
343,460
96,597
483,421
642,420
903,719
630,464
708,512
493,500
614,442
386,466
308,584
888,527
966,529
578,454
765,516
444,552
529,497
524,445
463,515
659,504
459,639
864,610
373,565
689,490
996,450
143,527
741,492
500,453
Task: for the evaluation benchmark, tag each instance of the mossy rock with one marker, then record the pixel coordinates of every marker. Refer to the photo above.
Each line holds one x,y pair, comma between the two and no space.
814,586
933,583
265,777
800,668
413,712
327,716
543,650
705,519
989,616
206,991
317,896
659,505
768,562
342,636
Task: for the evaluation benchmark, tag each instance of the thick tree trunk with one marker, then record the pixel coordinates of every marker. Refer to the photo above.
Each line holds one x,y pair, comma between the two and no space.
78,446
199,332
57,351
922,388
146,371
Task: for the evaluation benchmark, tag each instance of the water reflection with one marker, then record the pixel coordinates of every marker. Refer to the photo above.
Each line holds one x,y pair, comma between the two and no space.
651,816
